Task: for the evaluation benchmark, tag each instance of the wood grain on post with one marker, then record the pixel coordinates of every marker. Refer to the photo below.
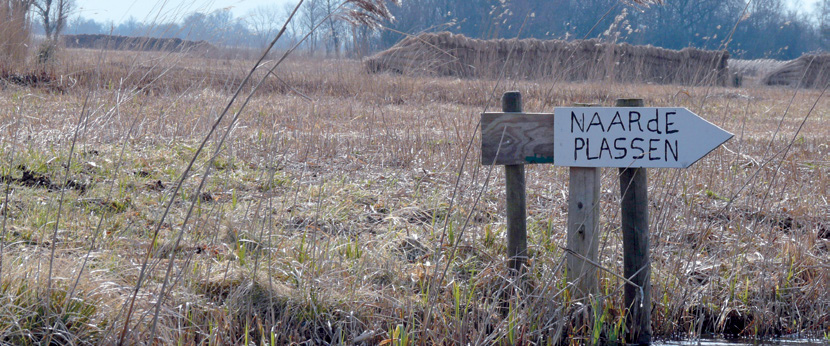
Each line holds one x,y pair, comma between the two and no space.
511,102
636,263
518,139
583,229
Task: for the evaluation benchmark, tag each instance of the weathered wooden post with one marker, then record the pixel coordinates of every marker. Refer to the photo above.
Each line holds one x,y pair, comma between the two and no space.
583,228
511,102
513,139
636,259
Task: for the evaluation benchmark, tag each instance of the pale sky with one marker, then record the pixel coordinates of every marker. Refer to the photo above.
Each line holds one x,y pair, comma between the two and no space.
158,11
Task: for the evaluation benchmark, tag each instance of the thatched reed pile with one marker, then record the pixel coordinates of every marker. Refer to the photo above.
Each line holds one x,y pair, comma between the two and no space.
756,67
751,72
114,42
447,54
808,71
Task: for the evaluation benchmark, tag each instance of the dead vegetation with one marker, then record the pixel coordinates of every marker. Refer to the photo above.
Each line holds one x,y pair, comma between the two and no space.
446,54
339,201
808,71
115,42
14,33
754,68
751,72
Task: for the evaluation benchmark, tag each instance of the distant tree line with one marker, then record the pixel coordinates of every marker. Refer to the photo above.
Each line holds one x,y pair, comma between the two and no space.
216,27
333,31
762,29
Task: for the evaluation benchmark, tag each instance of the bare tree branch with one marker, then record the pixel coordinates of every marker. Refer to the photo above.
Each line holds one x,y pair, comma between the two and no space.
53,15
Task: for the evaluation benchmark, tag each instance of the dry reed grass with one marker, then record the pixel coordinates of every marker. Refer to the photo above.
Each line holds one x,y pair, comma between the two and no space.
808,71
333,192
754,68
446,54
14,33
115,42
752,72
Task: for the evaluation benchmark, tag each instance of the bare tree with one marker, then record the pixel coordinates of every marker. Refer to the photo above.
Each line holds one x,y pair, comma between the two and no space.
291,29
264,22
309,17
334,25
53,15
823,13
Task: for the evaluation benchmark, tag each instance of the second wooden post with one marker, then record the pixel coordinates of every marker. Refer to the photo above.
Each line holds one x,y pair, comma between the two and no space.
636,260
511,101
583,228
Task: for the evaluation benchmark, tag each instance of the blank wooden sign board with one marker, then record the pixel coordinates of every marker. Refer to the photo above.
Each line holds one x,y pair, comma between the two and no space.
519,138
629,137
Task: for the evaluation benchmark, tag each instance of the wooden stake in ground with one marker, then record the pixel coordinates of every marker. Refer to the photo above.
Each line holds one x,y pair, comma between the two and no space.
583,229
511,102
636,262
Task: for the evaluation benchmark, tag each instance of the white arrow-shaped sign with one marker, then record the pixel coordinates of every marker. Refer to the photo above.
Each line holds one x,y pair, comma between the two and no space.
656,137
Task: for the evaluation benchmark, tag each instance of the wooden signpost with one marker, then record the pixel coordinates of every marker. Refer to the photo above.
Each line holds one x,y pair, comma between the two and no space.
630,137
516,208
583,229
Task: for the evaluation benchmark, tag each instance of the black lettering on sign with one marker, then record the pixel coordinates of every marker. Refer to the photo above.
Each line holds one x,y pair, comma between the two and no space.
636,147
596,120
604,146
617,120
655,121
672,150
632,119
652,150
670,131
579,144
579,124
620,148
588,150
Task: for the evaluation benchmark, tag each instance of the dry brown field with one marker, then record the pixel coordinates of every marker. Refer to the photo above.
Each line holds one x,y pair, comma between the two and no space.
346,207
